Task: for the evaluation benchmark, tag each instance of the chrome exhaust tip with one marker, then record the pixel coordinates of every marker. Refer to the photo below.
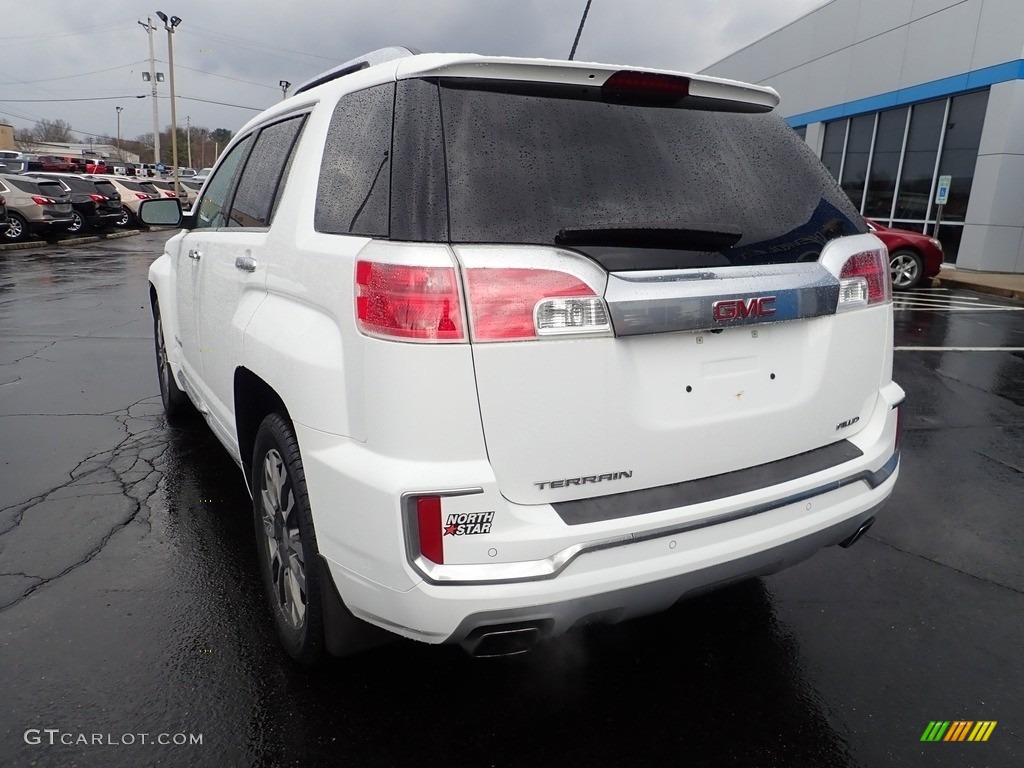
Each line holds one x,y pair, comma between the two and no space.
507,640
851,540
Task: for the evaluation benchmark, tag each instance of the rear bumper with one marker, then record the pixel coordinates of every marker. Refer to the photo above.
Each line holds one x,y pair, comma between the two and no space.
556,618
621,582
530,565
49,224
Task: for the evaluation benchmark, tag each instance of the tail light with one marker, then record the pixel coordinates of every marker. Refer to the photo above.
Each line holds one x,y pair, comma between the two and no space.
509,304
97,198
418,303
865,280
409,302
168,193
648,85
428,528
142,196
43,200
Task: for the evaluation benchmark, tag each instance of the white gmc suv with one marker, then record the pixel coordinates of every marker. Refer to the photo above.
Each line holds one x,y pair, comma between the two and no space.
503,346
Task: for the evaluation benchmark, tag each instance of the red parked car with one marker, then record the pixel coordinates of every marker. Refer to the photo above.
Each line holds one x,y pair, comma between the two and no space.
912,256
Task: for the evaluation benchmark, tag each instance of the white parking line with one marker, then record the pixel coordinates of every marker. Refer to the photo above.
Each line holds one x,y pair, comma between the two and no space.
947,303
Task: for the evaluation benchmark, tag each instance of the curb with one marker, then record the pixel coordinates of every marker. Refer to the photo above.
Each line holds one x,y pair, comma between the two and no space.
29,244
992,290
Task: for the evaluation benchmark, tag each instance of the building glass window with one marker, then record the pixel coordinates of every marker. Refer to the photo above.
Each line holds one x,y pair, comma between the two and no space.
851,144
832,149
919,162
801,132
858,149
885,162
960,150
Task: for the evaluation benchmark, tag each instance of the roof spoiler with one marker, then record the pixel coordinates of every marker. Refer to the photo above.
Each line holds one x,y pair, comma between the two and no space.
370,59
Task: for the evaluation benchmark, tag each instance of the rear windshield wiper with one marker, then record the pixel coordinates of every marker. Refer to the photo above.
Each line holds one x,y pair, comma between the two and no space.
705,237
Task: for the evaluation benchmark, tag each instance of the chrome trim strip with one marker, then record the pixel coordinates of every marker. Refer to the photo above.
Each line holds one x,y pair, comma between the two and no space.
549,568
684,300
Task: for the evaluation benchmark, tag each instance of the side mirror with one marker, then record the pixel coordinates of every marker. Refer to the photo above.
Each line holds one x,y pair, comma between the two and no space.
162,212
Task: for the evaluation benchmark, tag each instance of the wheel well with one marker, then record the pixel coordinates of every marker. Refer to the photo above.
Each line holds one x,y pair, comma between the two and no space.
254,401
910,248
152,299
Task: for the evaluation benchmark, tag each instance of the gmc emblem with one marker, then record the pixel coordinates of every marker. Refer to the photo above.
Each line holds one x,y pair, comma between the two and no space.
733,309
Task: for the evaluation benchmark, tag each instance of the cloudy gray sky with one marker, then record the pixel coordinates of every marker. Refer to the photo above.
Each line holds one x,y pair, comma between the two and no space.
236,52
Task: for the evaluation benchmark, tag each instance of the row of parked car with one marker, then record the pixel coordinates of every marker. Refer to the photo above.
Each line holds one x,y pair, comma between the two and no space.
47,204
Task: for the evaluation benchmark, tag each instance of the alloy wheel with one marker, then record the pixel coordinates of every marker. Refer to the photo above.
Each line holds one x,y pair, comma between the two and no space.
286,562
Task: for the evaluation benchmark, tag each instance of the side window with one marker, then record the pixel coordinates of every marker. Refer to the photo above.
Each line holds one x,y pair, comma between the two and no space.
264,174
354,193
211,207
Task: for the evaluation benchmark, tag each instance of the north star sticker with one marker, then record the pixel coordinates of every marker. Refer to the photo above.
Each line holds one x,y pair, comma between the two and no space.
450,530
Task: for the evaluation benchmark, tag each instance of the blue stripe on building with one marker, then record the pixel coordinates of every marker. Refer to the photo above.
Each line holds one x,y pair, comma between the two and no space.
947,86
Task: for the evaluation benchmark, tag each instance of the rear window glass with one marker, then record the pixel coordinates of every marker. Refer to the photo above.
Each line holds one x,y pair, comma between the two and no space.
79,185
105,188
523,167
23,184
353,195
52,189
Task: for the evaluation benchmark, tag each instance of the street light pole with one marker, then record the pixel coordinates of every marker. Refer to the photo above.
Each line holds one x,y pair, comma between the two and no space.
285,85
119,155
148,26
169,25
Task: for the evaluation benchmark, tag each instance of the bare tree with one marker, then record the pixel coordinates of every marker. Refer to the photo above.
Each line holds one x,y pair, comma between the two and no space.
52,131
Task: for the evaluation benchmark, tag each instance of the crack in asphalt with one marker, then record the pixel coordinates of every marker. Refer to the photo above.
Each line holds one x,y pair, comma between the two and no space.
941,564
124,465
33,354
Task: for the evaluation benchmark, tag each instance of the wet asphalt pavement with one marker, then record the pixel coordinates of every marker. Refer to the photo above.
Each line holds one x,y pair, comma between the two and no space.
130,606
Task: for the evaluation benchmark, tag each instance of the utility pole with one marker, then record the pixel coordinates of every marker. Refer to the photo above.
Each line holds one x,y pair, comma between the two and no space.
119,155
148,26
170,24
188,137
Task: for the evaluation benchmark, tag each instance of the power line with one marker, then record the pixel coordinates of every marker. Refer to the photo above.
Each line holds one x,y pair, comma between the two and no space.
213,35
226,77
80,74
107,27
219,103
50,101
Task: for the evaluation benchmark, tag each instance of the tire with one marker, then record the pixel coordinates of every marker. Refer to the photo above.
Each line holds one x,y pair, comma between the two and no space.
18,229
177,407
77,223
286,542
126,218
907,269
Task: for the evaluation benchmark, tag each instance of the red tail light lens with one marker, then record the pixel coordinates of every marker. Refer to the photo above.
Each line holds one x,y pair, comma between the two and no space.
652,85
97,198
407,302
168,193
865,279
142,196
43,200
428,525
505,303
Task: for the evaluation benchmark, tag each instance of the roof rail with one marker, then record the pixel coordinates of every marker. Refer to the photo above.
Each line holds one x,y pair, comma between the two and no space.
362,62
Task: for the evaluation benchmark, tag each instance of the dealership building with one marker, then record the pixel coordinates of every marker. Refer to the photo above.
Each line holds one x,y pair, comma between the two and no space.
894,95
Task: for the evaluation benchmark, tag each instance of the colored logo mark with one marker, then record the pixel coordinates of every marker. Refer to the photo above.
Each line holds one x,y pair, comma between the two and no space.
958,730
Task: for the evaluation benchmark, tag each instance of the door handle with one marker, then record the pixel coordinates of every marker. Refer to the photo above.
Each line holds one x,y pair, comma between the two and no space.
195,253
245,263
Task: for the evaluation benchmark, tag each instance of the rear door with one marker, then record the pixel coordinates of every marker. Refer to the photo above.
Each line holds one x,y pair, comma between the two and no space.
233,268
647,300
